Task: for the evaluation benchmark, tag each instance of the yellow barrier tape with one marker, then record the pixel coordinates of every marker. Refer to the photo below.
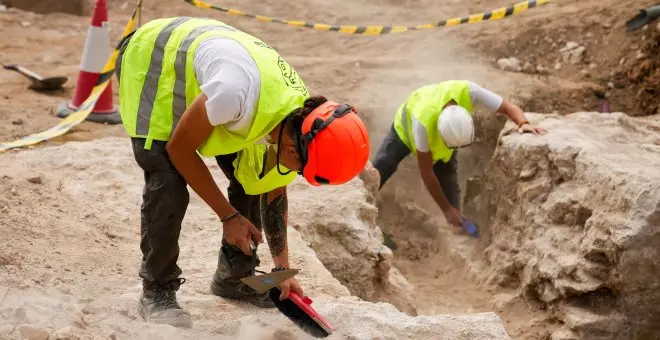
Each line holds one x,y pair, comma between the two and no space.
379,29
88,105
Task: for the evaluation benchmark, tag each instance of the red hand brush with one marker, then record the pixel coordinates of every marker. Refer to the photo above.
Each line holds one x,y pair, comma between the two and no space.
299,310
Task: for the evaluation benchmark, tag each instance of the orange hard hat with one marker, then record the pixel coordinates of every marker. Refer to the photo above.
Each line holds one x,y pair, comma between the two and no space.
334,145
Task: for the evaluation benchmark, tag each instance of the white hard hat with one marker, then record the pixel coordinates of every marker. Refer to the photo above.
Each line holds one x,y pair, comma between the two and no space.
455,126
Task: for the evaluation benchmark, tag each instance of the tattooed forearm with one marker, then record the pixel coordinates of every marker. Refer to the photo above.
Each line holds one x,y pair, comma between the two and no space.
274,222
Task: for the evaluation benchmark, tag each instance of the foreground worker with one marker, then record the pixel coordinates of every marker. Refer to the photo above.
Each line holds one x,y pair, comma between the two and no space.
433,123
190,85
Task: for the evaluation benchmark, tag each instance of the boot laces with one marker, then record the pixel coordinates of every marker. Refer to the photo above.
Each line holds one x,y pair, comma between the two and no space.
166,293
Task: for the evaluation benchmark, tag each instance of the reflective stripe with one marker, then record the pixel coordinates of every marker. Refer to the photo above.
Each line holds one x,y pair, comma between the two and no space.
404,122
150,87
179,100
96,50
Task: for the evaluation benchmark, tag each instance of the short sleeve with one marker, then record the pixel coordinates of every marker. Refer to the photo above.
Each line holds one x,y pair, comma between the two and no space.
484,99
224,83
420,136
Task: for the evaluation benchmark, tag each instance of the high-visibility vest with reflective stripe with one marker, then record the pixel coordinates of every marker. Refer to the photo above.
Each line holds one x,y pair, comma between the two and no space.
426,104
158,83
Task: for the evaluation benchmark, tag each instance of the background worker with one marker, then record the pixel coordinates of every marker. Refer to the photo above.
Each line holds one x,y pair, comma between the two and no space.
433,123
190,85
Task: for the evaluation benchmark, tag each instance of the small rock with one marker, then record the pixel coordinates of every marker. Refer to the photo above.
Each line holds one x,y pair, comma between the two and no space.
623,60
92,309
17,121
26,23
640,55
3,8
569,46
593,66
35,180
607,24
558,66
589,34
65,333
572,53
657,27
528,68
33,332
541,70
6,329
509,64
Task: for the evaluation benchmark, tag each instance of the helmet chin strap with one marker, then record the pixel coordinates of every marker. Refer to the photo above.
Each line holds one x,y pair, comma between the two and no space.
279,142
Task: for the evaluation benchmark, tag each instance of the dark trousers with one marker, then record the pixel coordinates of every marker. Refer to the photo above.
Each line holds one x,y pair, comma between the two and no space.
165,200
392,151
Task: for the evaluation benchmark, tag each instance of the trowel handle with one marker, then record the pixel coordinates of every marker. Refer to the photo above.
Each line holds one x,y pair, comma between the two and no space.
22,70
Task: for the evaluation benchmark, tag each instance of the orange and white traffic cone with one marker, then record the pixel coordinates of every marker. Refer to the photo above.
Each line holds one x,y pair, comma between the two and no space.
95,55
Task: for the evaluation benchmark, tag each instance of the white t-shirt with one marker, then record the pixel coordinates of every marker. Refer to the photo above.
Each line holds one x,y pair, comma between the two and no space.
480,97
230,78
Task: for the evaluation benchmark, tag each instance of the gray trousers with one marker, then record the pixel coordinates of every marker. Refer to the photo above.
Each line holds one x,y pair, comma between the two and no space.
165,200
392,151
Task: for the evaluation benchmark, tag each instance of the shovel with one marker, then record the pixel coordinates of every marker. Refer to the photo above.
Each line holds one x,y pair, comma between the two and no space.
39,83
644,17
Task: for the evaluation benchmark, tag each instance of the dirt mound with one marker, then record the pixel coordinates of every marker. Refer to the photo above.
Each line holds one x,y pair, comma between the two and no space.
70,253
644,75
573,63
572,219
75,7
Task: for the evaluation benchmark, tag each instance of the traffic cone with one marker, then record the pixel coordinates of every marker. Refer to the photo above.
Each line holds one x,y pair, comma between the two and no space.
95,55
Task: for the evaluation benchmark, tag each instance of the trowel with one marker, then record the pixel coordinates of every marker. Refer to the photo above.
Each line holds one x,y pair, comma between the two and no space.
263,283
39,83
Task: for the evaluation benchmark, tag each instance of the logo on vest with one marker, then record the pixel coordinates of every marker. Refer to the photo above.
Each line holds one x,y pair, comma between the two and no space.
291,77
263,44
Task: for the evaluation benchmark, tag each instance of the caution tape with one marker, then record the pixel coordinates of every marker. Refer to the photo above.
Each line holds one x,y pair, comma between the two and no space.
379,29
87,106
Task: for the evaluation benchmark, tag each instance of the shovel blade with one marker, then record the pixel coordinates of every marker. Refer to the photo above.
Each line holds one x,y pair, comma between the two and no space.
49,84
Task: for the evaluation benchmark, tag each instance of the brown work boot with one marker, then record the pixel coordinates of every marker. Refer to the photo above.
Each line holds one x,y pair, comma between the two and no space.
233,265
158,304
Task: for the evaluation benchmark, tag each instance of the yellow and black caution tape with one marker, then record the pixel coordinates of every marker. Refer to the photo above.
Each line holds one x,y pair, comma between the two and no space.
379,29
88,105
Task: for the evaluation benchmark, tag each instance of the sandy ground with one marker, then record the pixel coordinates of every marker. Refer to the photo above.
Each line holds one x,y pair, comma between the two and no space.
375,74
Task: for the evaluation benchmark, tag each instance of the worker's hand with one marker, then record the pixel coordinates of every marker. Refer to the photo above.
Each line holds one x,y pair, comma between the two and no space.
454,217
288,285
240,232
530,128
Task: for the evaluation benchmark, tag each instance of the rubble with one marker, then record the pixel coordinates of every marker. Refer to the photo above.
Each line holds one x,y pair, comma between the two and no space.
509,64
575,231
572,53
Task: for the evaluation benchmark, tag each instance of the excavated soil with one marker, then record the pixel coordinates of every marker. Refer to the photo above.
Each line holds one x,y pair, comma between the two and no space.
75,7
376,74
